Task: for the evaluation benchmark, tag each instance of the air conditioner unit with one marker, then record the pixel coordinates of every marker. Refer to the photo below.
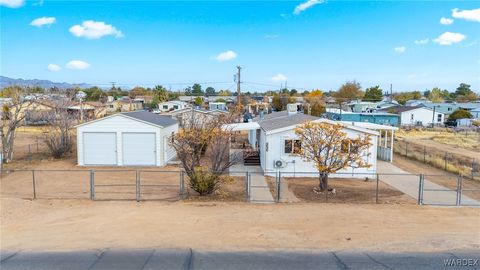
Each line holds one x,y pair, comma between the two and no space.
279,164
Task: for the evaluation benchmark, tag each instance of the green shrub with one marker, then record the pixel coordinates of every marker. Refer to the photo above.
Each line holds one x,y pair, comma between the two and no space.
203,181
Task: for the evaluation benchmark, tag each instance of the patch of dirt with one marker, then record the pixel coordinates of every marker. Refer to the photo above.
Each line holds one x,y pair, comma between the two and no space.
347,191
64,225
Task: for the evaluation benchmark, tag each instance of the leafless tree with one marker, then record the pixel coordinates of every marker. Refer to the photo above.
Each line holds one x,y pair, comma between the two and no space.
13,116
59,136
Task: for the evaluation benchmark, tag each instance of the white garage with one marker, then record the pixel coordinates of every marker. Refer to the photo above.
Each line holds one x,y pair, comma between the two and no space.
137,138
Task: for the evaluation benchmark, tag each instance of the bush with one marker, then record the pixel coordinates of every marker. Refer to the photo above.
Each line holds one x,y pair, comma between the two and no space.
460,114
203,181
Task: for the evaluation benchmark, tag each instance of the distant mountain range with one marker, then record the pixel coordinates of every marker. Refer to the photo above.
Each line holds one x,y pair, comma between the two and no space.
6,81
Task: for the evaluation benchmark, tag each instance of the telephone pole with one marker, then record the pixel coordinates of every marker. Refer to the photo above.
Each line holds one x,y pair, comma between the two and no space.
238,84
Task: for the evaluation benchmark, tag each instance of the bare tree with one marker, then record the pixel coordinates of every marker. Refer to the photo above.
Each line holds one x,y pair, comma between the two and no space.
13,116
330,149
59,136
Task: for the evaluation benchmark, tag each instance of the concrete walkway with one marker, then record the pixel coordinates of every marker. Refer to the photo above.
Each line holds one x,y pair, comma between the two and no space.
259,189
408,184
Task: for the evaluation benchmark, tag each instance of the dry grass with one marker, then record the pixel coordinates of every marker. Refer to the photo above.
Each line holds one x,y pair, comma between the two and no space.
465,139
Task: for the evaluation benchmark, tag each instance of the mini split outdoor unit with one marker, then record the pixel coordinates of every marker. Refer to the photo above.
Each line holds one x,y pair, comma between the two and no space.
279,164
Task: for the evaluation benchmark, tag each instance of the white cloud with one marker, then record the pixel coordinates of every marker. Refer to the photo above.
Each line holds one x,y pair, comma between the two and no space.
422,41
279,78
95,30
306,5
77,64
446,21
226,56
53,67
469,15
448,38
400,49
43,21
12,3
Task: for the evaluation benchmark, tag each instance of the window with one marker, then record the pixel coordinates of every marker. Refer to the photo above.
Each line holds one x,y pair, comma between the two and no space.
449,109
411,116
439,117
293,146
165,107
175,107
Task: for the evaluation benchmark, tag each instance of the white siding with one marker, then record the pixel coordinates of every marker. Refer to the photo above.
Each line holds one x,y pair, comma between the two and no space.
169,152
296,164
120,124
421,115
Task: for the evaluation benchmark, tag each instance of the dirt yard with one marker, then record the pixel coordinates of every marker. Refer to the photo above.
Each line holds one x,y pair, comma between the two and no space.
438,176
347,191
83,224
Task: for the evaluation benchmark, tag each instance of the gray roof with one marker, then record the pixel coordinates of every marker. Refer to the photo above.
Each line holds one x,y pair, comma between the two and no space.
282,119
153,118
400,109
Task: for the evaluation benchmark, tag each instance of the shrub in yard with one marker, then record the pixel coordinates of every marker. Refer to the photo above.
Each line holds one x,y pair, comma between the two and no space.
203,181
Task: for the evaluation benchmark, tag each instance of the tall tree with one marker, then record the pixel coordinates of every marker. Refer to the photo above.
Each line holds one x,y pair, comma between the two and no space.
197,90
436,95
160,94
331,149
210,91
349,90
373,93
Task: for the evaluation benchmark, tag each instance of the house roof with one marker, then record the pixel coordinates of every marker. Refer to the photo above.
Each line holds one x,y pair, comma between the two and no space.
143,116
276,121
400,109
151,118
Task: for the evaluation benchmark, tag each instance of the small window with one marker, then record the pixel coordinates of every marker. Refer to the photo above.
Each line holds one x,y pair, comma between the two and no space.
449,109
288,146
411,116
439,117
165,107
175,107
293,146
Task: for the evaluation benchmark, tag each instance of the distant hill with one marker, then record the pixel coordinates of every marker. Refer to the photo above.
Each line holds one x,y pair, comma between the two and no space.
5,82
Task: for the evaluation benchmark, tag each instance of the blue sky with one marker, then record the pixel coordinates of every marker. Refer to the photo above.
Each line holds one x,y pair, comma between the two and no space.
308,44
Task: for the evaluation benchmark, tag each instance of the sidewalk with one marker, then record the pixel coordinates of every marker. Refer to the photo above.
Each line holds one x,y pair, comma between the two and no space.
408,183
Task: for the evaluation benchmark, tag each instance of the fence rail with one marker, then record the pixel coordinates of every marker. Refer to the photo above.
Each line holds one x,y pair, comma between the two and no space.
272,187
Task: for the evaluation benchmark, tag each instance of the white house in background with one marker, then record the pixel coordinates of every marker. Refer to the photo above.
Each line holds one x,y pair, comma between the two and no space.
222,106
417,116
172,105
475,113
137,138
275,139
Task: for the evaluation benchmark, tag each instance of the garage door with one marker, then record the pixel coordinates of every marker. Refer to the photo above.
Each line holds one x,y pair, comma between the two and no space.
99,148
139,149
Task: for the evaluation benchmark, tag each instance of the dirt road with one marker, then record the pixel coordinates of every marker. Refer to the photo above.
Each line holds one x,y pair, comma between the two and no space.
83,224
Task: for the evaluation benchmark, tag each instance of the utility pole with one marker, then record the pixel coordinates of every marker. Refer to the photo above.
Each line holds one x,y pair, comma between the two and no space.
238,84
391,93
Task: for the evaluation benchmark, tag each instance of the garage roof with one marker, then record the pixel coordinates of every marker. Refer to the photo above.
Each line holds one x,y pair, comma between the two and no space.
152,118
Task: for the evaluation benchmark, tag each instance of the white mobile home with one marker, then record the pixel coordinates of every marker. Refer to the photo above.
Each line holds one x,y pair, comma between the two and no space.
417,116
173,105
275,139
137,138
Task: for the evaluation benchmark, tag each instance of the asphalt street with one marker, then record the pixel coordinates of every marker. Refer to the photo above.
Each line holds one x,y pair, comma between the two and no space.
191,259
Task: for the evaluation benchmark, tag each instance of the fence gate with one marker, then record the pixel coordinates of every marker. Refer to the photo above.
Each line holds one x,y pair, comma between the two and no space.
452,193
262,188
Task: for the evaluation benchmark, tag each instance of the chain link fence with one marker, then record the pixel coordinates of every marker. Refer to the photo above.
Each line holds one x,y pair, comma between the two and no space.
255,187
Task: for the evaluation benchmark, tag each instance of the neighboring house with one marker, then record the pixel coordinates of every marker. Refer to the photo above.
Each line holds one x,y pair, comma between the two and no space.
222,106
417,116
448,108
275,139
200,115
124,105
359,106
416,102
382,118
465,122
89,109
475,113
137,138
172,105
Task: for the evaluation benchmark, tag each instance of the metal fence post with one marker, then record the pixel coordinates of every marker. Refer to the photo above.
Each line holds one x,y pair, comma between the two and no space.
34,185
420,190
424,154
182,184
247,175
376,191
137,185
279,184
459,190
406,149
446,160
92,185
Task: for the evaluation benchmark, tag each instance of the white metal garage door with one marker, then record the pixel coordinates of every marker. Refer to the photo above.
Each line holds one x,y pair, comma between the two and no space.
99,148
139,149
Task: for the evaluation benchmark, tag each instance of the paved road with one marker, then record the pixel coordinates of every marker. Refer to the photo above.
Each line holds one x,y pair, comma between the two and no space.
408,184
190,259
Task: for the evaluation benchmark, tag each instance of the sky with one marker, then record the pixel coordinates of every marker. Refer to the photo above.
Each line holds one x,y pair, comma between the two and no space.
308,44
